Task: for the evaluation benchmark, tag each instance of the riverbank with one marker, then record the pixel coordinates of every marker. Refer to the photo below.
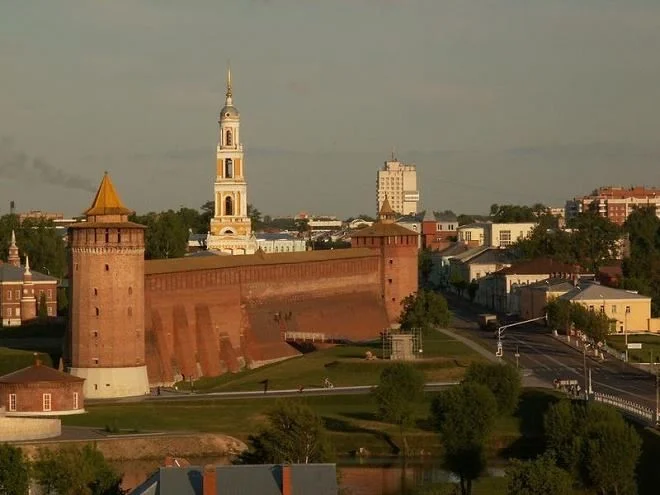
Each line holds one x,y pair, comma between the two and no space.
131,447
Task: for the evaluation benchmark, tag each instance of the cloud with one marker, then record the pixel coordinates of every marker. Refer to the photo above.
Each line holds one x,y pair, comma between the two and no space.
17,165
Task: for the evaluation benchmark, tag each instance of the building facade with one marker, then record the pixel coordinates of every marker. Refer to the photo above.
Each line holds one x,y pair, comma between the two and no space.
106,316
22,290
499,235
230,230
439,231
615,203
397,182
280,242
40,390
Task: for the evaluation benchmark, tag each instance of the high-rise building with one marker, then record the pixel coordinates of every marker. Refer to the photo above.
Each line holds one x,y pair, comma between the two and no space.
231,230
615,203
397,182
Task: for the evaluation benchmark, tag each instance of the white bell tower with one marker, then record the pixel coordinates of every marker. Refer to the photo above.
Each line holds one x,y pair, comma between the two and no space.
231,230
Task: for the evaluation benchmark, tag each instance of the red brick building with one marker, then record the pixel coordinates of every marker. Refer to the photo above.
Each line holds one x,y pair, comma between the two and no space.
21,290
615,203
439,231
203,316
40,390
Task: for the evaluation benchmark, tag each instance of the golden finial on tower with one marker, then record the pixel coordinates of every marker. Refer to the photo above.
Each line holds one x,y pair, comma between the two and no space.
228,94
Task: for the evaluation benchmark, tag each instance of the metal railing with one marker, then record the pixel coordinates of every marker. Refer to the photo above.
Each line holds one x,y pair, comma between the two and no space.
643,412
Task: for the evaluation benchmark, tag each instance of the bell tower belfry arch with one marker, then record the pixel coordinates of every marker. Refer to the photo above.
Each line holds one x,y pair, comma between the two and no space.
230,229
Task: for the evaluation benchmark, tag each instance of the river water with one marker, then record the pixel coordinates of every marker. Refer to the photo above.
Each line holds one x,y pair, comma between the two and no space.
372,476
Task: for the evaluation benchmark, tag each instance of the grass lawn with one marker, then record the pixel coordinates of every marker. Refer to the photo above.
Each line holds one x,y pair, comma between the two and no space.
14,359
445,359
351,421
650,346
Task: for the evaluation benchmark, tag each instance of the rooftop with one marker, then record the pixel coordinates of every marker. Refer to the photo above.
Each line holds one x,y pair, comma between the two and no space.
11,273
379,229
596,292
107,201
38,373
192,263
262,479
539,266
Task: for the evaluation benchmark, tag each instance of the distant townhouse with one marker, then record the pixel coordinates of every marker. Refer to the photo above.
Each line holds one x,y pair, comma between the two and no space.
477,263
628,310
280,242
439,230
615,203
22,290
490,234
501,290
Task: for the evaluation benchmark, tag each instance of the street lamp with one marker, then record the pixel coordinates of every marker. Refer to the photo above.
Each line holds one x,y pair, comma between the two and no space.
625,330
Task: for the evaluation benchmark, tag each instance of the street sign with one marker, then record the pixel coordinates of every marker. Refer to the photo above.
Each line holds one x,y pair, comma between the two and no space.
635,345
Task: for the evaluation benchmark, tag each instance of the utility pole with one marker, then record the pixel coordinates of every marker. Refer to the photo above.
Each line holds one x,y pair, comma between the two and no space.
517,358
584,365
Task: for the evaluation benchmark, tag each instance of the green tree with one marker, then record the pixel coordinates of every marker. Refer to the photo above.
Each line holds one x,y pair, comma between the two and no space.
42,313
399,392
596,444
76,471
166,235
208,212
38,239
464,415
14,471
424,310
295,434
473,288
502,380
641,269
538,476
558,312
595,240
62,301
255,217
465,219
425,266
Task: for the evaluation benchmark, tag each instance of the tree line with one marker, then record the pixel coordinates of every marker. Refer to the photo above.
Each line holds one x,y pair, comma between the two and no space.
564,315
68,470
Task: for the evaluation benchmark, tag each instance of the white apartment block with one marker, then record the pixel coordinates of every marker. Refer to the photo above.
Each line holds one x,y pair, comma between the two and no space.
398,183
499,235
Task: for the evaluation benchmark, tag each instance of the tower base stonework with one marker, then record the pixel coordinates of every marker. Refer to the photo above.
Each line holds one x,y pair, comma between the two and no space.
109,383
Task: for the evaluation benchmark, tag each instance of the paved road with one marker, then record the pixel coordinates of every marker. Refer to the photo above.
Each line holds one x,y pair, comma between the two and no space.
547,358
259,394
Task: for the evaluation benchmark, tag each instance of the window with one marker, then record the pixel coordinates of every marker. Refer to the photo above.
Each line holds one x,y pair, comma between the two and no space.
591,308
75,400
50,294
8,295
96,291
505,238
613,308
12,402
76,266
391,262
602,309
229,168
96,360
107,268
228,138
130,311
18,294
97,311
96,333
627,309
229,206
17,311
130,291
389,280
49,310
46,402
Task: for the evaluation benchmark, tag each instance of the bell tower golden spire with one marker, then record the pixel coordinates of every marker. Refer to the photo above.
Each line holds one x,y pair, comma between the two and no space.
228,94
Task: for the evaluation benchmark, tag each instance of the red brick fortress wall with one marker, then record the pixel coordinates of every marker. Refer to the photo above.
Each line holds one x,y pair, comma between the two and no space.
206,316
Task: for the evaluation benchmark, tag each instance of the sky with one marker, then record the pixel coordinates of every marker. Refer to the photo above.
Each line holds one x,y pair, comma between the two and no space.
498,101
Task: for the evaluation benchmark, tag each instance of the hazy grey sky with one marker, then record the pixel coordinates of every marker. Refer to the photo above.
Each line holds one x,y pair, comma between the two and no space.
495,101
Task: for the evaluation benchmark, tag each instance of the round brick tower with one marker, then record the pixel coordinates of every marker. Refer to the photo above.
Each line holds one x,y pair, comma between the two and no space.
398,248
106,315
